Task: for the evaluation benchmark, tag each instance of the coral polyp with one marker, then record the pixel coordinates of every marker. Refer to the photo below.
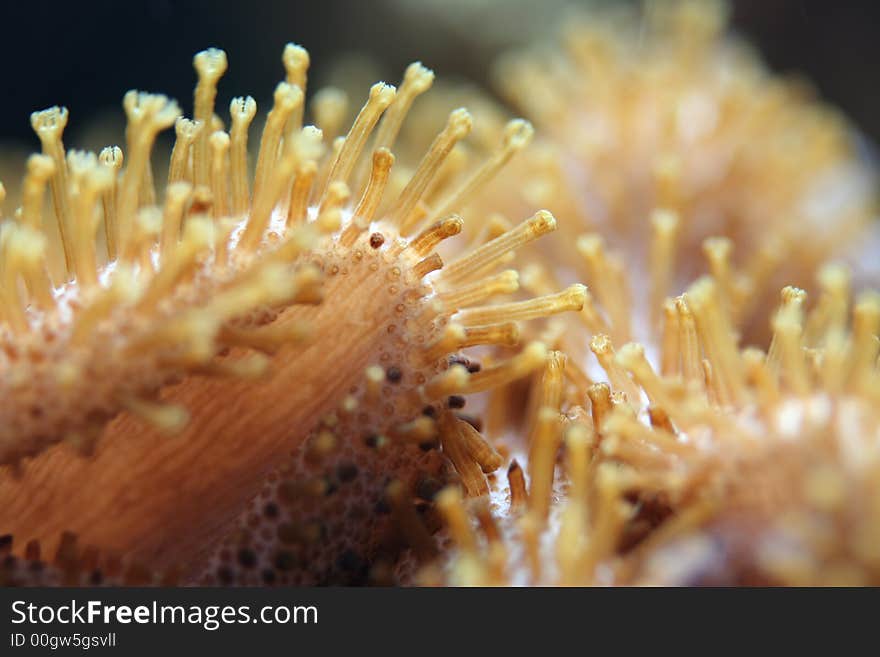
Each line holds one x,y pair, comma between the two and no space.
657,124
668,447
360,365
296,313
750,468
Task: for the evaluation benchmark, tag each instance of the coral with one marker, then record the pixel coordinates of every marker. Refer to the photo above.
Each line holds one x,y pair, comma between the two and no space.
658,124
681,421
746,468
292,331
667,448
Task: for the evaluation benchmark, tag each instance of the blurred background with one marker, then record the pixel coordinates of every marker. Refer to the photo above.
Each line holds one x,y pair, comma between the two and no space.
86,54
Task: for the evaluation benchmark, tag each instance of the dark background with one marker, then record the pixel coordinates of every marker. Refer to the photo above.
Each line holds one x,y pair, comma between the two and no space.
86,54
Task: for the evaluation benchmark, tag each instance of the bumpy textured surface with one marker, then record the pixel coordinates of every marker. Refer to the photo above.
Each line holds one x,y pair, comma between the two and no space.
322,517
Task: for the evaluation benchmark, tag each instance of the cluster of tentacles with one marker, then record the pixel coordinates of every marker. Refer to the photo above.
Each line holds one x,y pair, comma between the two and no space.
228,378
